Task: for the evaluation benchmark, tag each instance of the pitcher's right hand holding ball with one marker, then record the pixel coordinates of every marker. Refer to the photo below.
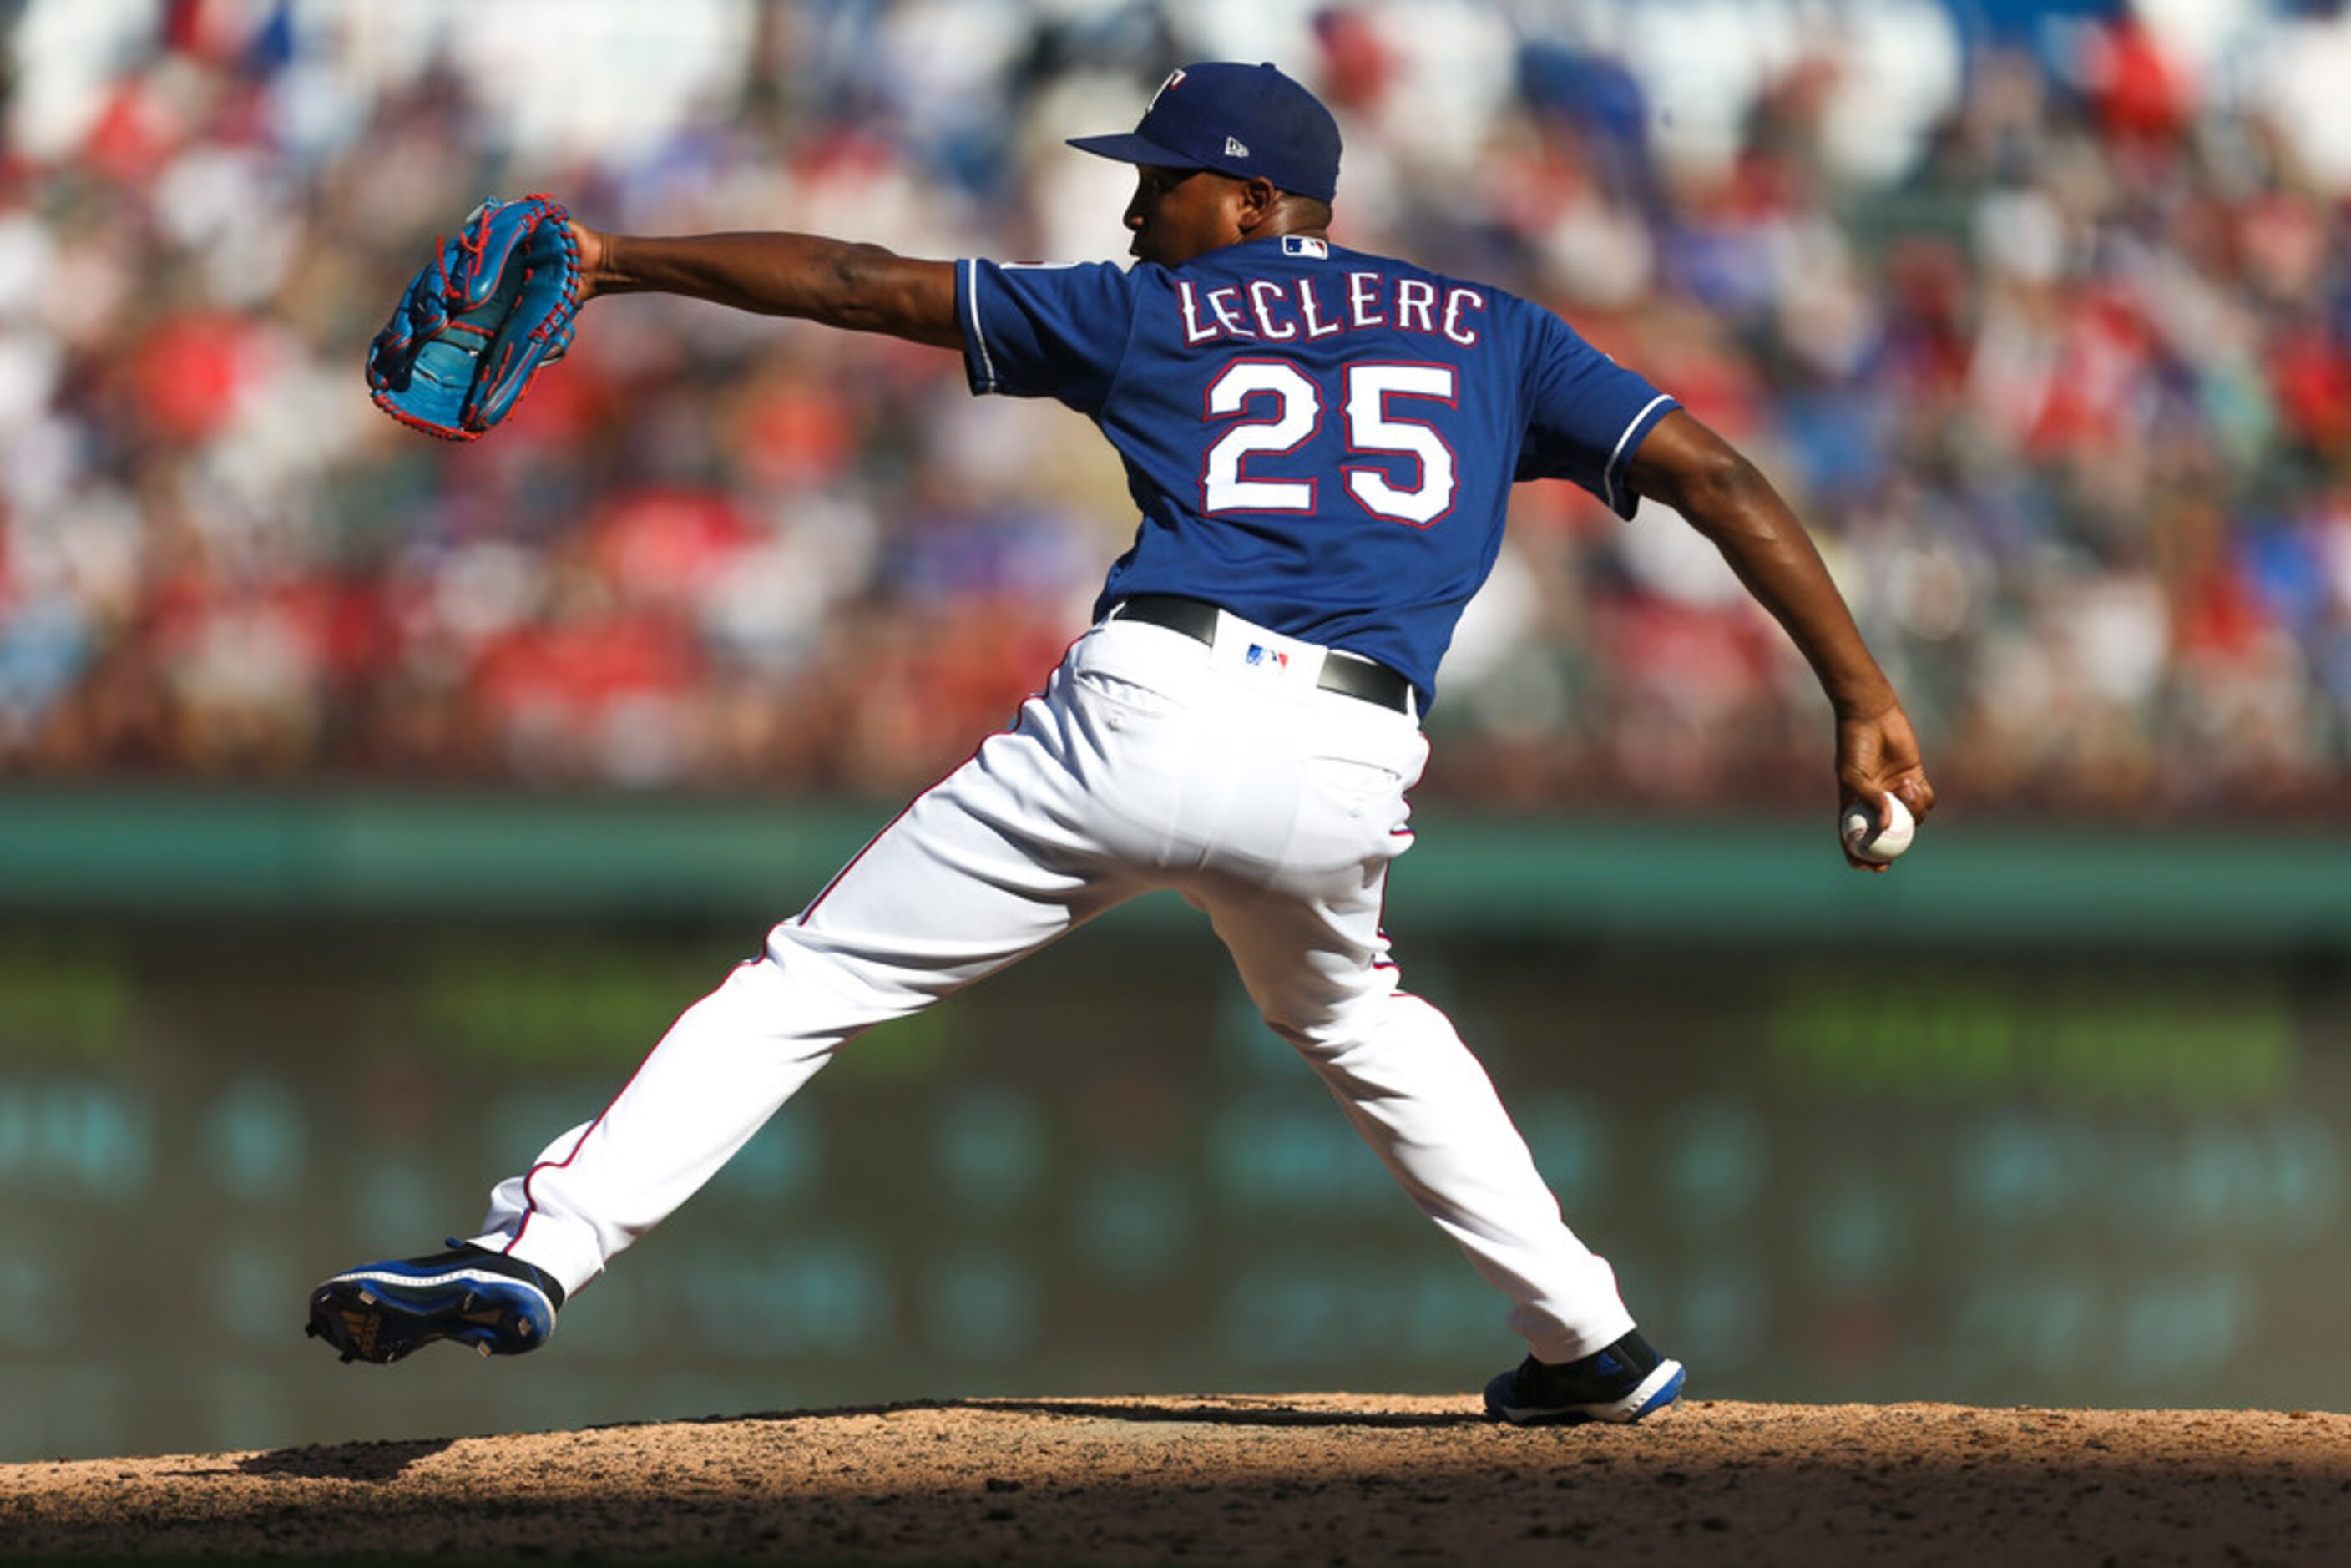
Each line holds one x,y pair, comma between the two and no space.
1878,765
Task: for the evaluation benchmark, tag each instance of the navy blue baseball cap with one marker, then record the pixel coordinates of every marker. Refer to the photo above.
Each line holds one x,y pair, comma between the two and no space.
1242,121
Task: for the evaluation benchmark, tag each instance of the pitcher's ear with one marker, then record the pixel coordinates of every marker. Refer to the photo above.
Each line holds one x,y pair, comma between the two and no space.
1259,198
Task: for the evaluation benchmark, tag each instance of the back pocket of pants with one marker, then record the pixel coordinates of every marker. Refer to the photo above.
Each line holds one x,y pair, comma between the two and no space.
1354,785
1131,696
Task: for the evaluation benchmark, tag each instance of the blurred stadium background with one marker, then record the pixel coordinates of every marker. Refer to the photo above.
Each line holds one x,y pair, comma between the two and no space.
370,803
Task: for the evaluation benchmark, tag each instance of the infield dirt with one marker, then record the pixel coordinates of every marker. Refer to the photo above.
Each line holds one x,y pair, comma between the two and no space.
1304,1479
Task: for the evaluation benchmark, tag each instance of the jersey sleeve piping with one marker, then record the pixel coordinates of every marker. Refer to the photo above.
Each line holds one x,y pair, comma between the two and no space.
1621,500
984,366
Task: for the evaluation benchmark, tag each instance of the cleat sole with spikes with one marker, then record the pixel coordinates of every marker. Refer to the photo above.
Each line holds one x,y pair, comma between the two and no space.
388,1310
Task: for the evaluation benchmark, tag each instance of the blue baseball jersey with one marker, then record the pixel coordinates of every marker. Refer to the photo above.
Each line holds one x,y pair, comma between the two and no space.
1319,440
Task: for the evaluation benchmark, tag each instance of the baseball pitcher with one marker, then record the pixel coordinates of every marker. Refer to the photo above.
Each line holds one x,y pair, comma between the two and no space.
1319,444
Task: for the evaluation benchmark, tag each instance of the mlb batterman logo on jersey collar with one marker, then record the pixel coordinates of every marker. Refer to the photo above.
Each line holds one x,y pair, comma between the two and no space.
1241,120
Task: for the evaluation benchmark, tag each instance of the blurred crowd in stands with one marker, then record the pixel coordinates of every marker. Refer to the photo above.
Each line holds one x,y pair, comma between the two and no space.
2041,316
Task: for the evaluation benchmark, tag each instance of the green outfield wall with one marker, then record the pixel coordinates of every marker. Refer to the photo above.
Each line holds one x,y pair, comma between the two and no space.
1979,884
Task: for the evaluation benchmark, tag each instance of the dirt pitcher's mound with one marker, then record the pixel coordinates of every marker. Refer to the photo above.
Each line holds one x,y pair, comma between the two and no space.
1315,1478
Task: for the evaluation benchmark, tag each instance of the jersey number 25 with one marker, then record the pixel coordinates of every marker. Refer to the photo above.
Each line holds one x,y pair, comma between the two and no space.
1374,429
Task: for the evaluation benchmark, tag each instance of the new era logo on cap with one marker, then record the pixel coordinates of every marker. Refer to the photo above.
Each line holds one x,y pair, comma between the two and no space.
1236,148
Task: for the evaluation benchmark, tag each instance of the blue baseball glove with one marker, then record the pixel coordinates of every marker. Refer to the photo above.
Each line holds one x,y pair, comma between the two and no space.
476,324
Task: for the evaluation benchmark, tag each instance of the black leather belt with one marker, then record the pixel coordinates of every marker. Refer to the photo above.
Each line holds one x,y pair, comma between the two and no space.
1350,674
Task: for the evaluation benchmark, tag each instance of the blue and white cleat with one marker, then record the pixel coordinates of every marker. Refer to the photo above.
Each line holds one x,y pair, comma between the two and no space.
1621,1383
380,1312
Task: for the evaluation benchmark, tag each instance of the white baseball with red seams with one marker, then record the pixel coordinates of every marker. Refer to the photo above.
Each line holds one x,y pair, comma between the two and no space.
1870,842
1151,760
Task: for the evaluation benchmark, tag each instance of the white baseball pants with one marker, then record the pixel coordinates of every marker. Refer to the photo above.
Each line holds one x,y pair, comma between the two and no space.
1151,760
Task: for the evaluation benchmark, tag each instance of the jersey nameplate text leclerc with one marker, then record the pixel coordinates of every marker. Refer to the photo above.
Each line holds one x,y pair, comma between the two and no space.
1323,305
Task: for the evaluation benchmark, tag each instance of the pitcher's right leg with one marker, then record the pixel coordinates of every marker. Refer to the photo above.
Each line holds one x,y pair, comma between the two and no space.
1423,1103
1401,1073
